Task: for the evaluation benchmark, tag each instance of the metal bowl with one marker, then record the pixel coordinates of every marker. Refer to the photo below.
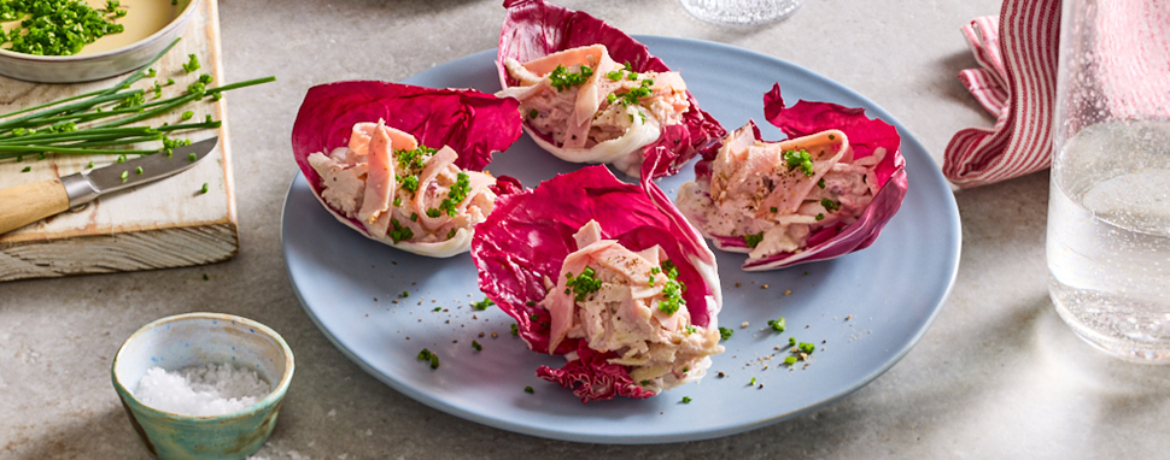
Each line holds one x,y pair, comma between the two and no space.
89,67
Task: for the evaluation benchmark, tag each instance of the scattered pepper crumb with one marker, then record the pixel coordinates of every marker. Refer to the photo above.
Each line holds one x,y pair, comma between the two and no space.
788,292
744,324
494,335
764,286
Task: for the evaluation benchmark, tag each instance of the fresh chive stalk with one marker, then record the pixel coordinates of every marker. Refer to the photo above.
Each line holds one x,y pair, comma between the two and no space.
90,123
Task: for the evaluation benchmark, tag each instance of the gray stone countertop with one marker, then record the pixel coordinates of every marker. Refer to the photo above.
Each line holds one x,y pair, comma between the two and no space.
998,375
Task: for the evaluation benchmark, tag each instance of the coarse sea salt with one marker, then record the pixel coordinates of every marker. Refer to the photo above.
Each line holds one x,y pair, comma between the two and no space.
200,391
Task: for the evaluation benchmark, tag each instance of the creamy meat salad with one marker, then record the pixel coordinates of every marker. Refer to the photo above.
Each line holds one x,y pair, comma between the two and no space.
629,303
404,193
586,108
773,196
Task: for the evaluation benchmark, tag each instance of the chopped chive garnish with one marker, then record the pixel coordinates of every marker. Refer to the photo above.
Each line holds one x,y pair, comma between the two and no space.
192,63
562,79
397,233
799,159
483,304
830,205
583,284
427,355
753,240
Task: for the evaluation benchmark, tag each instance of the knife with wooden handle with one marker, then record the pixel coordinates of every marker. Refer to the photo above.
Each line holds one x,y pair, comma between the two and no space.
25,204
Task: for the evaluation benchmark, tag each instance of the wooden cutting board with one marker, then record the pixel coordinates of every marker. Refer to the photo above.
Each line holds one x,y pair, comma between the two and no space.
164,224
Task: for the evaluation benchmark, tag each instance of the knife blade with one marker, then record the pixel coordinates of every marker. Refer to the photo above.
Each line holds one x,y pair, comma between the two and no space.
23,205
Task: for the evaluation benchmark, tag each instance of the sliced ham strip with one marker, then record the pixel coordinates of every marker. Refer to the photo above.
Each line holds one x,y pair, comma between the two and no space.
429,190
380,180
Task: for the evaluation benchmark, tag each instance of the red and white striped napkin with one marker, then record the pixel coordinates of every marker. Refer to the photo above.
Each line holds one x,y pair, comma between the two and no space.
1017,83
1018,53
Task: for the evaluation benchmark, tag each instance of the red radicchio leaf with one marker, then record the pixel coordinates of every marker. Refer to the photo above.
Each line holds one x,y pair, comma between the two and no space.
865,136
592,377
533,29
528,235
472,123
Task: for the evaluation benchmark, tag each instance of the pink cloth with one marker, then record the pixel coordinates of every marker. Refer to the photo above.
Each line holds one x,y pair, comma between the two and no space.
1017,83
1018,53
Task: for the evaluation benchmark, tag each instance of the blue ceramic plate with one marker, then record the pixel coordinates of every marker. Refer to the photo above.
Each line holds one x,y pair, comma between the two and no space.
864,310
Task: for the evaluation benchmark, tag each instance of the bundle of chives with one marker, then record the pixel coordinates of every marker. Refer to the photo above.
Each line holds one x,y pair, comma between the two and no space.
89,123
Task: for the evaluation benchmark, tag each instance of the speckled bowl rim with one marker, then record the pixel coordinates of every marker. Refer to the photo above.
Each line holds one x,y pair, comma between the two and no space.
273,397
180,19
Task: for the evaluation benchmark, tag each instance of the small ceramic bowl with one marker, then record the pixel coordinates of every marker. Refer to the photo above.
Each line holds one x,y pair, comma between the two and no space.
197,339
89,67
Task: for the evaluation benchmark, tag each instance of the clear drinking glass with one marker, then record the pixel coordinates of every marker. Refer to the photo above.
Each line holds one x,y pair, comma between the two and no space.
741,12
1109,207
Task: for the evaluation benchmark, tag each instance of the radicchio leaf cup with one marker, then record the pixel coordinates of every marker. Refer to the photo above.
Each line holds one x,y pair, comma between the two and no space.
473,123
534,29
529,234
865,136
